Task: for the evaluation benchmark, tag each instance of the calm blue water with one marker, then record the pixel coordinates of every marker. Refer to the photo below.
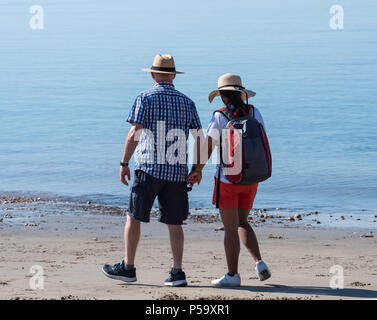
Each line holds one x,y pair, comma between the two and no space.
65,92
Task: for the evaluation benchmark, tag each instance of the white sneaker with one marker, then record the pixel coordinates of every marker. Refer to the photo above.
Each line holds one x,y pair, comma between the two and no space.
262,270
228,281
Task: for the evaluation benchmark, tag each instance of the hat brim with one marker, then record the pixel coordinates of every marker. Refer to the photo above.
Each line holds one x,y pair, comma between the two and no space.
245,93
164,72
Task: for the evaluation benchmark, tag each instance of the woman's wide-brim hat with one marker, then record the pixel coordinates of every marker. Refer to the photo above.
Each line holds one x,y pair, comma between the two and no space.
231,82
163,63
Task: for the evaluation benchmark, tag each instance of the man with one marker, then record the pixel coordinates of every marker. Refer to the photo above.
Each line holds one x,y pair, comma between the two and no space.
163,117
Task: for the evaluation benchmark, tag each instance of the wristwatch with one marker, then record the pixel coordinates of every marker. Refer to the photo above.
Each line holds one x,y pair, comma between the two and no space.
123,164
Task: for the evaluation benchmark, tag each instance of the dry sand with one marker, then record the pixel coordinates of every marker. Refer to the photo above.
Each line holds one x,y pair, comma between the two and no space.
72,250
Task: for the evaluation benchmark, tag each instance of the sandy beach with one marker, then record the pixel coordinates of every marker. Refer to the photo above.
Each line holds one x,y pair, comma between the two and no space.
71,249
94,91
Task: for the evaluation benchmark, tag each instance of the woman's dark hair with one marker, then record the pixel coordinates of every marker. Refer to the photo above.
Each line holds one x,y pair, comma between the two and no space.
234,98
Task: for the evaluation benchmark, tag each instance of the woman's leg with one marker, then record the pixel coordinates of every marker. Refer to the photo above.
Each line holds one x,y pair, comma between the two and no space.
231,238
247,235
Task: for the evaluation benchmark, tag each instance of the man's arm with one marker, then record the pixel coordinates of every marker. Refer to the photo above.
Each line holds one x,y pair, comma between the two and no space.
130,145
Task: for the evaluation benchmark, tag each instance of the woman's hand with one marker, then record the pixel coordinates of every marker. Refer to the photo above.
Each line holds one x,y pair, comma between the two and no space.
194,177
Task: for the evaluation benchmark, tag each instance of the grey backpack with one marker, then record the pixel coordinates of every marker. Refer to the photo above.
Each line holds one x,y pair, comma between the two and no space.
245,154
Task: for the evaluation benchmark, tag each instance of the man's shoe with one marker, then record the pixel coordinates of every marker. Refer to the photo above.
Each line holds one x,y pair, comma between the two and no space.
227,281
262,270
118,272
176,279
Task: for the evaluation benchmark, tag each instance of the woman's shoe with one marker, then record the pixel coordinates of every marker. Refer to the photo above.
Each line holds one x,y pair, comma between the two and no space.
262,270
228,281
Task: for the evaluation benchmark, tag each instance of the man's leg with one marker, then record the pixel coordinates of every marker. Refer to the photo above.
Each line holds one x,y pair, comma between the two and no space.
131,239
125,270
176,242
173,203
143,194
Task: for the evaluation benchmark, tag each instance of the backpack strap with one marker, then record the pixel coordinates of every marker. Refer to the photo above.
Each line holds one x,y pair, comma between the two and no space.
251,110
226,113
218,189
229,116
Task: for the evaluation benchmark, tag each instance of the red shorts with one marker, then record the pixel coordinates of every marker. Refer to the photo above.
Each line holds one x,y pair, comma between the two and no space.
234,196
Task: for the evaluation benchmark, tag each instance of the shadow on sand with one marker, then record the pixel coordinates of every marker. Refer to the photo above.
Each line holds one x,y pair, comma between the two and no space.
306,290
276,288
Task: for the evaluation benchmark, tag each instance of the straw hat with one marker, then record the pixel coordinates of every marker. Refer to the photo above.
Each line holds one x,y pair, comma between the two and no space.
231,82
163,63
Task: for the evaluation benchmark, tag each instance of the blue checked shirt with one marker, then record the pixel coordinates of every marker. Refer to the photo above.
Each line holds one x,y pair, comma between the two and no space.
167,115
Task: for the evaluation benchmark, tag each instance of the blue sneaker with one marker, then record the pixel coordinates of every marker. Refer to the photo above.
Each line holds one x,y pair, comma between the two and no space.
177,279
119,272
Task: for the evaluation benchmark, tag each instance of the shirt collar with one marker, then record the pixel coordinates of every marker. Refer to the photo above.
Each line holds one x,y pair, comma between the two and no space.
164,84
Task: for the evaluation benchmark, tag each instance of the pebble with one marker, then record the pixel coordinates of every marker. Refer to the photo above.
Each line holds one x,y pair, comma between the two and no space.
291,219
372,221
367,235
219,229
298,216
271,236
342,217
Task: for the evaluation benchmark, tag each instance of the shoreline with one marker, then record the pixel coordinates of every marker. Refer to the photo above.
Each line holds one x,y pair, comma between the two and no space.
23,209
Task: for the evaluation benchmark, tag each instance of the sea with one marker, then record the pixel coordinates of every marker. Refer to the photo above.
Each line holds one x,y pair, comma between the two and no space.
69,79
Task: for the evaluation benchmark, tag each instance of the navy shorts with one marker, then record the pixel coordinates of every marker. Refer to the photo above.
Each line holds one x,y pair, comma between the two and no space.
172,199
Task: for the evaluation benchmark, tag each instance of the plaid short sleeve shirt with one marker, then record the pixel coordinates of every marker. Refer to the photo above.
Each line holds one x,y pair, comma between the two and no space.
167,115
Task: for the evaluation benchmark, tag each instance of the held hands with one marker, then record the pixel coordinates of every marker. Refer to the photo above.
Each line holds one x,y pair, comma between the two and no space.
194,177
125,171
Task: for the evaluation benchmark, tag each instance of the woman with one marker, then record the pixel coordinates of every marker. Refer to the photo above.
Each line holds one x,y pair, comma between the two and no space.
235,201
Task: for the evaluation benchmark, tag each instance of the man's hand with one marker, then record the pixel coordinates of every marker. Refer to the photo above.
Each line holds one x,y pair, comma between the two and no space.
129,147
125,171
194,177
